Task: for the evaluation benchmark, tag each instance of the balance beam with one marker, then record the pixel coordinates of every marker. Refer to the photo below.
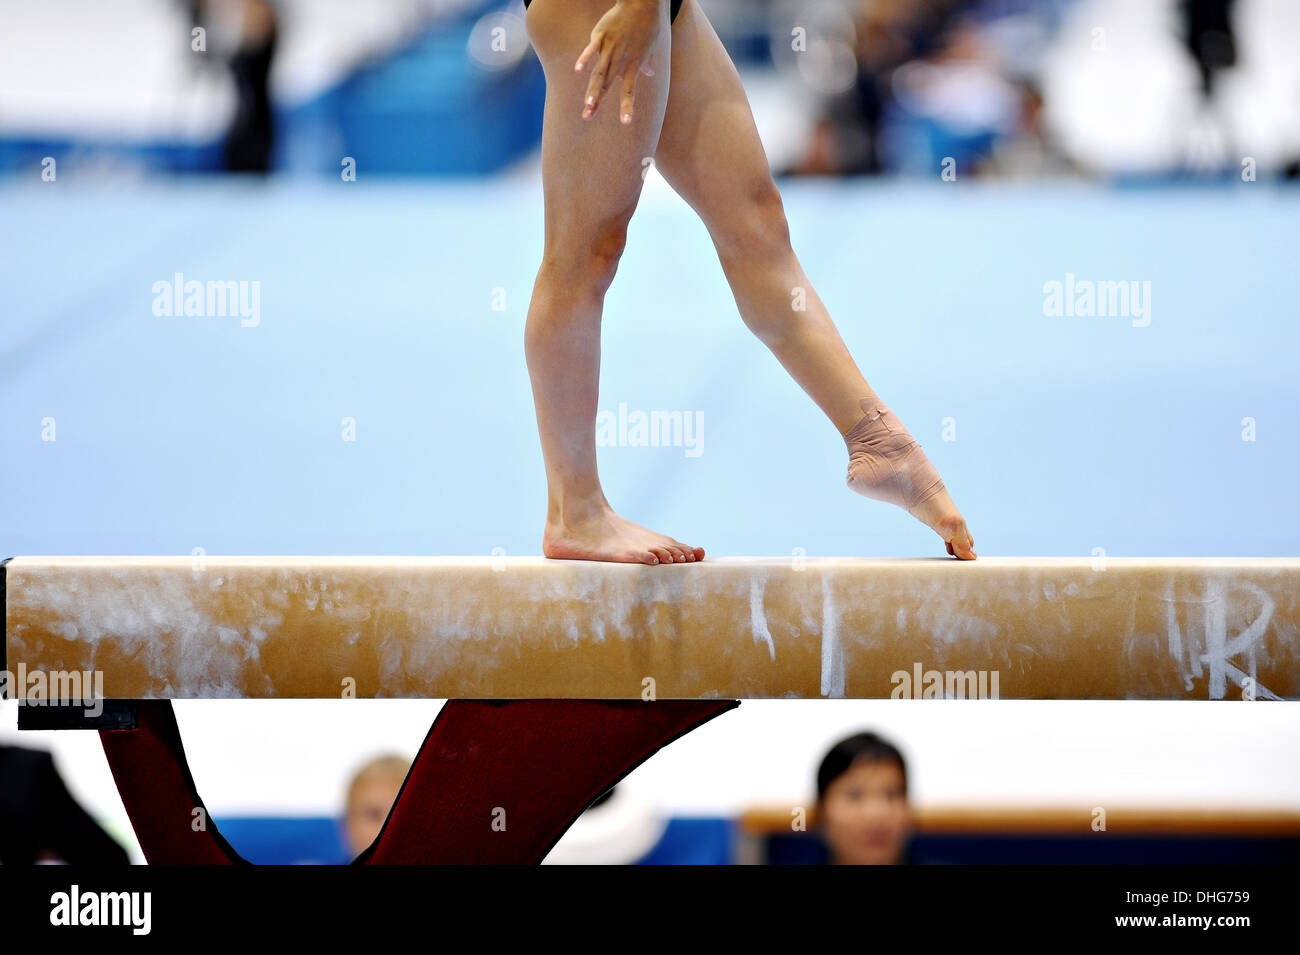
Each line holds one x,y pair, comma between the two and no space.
583,670
519,627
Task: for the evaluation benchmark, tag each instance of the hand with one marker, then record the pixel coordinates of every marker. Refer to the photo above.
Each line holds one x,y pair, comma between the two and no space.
621,42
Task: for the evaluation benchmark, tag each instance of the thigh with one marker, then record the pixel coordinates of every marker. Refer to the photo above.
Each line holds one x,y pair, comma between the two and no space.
709,150
592,169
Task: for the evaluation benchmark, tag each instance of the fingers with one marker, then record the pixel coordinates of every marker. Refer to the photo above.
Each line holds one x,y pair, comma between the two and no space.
590,50
629,88
599,81
608,66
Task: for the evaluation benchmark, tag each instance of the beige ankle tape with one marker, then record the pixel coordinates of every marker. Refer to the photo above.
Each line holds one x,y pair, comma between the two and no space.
885,462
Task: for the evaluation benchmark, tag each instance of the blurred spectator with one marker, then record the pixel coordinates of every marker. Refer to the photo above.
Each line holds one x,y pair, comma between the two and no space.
1028,152
888,33
252,133
370,796
862,802
39,819
257,30
940,85
1208,33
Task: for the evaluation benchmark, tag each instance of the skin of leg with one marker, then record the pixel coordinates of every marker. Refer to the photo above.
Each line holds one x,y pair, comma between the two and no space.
710,153
592,174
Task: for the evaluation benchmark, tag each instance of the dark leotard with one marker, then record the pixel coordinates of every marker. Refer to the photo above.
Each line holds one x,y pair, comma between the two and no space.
676,5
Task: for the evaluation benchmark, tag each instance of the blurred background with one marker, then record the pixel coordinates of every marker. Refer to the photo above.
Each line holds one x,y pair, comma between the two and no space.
1005,88
363,183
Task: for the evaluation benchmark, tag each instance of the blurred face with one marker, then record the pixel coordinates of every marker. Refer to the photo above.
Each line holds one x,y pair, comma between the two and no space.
372,798
865,815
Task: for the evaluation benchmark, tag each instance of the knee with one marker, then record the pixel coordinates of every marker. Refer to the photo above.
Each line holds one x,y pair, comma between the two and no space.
607,244
584,259
756,226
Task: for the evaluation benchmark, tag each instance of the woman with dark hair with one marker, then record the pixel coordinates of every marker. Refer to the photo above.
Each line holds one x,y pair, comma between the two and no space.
862,802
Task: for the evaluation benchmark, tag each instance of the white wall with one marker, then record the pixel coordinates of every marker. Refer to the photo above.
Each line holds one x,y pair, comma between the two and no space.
124,69
1130,103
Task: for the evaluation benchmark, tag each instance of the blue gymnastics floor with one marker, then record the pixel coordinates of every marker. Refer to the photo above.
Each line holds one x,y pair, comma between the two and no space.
377,305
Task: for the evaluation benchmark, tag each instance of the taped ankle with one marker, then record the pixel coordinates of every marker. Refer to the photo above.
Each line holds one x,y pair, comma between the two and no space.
885,462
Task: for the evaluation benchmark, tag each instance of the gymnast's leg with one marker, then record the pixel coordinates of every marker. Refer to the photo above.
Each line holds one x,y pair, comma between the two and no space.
709,151
591,176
